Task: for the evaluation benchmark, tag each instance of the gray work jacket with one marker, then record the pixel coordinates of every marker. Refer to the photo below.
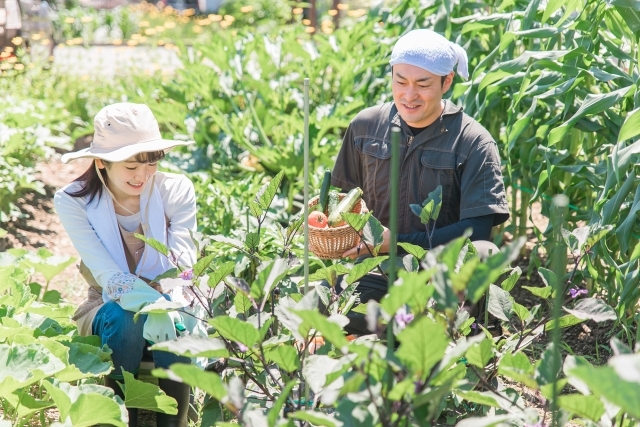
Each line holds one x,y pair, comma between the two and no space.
455,152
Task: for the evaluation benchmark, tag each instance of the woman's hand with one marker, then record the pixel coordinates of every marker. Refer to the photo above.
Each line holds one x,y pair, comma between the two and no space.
361,249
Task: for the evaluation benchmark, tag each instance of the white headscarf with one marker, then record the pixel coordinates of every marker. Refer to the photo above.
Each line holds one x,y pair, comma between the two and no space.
430,51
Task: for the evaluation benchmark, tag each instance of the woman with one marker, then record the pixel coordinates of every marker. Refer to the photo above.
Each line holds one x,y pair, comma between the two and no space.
121,194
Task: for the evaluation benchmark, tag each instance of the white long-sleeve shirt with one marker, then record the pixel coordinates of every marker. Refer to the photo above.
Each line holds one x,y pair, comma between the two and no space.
178,198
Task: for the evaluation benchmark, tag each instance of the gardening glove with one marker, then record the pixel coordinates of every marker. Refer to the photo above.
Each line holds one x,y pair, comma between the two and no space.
161,327
134,296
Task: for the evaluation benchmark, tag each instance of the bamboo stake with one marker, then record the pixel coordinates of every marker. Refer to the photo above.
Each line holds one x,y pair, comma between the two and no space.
306,212
559,206
306,185
393,222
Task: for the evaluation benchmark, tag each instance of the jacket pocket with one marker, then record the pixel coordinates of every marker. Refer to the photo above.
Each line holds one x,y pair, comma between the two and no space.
376,154
438,168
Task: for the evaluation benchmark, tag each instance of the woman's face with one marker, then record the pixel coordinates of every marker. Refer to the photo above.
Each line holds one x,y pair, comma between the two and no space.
128,178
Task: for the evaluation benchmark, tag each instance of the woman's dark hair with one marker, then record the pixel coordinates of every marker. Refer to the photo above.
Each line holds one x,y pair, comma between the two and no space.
91,184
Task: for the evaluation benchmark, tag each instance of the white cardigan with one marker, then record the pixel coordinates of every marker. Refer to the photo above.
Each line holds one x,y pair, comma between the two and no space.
178,200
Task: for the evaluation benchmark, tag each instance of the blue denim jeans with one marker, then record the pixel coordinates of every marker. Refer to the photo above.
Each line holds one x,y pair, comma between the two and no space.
116,328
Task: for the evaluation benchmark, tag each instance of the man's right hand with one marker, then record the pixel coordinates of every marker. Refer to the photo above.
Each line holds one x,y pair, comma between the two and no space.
361,249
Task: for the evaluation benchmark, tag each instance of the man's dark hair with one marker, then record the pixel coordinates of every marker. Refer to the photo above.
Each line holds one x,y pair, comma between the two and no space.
442,78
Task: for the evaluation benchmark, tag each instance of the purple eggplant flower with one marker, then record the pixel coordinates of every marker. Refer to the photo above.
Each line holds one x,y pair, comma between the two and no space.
186,274
403,318
474,325
242,347
575,292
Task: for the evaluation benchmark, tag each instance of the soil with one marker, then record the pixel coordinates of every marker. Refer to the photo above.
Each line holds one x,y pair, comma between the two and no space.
41,228
588,339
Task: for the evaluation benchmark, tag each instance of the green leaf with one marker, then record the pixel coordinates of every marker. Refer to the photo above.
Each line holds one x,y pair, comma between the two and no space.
490,270
209,382
234,243
26,404
51,297
277,271
285,356
431,206
274,412
593,309
330,274
417,251
172,273
160,306
87,404
49,267
488,421
585,406
422,345
80,360
3,233
236,330
356,220
593,104
518,367
481,398
220,273
316,418
268,191
624,232
480,354
544,293
603,381
331,331
365,267
255,209
23,365
552,7
372,235
597,234
548,367
500,303
242,303
564,321
153,243
194,346
521,311
144,395
412,289
203,263
548,277
252,240
510,282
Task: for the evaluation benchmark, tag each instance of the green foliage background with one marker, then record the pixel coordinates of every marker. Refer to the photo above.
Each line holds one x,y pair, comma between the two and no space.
555,84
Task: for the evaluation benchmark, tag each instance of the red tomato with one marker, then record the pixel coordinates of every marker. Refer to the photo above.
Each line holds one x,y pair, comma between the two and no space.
317,219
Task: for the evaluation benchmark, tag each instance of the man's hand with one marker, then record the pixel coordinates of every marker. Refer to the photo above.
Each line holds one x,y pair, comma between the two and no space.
361,249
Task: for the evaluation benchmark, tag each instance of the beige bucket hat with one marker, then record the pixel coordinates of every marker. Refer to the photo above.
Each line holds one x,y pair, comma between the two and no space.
123,130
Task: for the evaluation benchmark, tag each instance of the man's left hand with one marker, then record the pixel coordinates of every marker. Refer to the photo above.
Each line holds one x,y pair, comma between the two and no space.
361,249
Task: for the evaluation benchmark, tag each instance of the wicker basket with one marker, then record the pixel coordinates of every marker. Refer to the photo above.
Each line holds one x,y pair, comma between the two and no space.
332,242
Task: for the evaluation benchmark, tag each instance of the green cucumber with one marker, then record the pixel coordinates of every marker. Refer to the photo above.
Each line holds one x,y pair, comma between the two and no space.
324,191
333,202
345,205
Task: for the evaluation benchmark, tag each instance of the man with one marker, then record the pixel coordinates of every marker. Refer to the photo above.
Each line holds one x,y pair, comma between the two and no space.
439,145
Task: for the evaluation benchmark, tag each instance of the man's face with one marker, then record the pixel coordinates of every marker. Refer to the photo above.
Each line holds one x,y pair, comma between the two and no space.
418,93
